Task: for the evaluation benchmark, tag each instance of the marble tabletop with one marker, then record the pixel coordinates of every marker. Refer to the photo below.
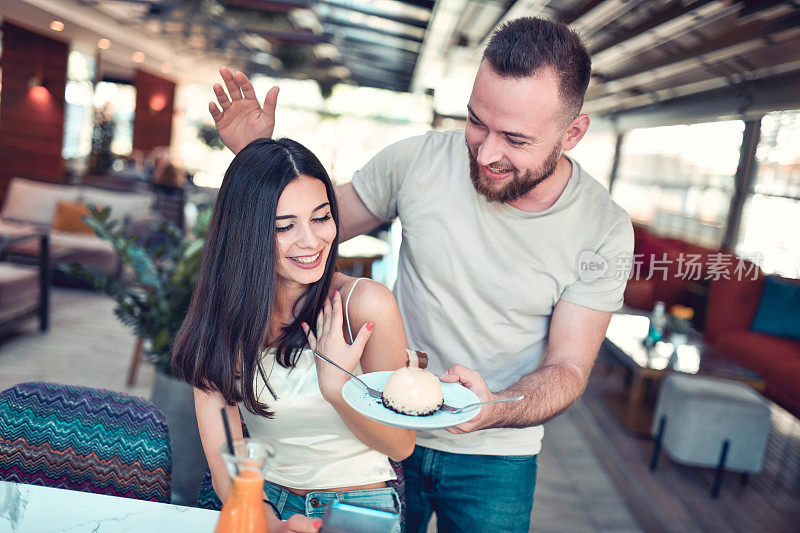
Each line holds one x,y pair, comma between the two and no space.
35,509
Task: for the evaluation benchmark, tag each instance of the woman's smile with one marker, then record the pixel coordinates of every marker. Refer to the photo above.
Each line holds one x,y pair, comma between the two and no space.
308,261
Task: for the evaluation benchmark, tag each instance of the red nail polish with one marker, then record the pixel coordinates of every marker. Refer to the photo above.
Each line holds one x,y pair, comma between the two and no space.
303,324
370,325
317,523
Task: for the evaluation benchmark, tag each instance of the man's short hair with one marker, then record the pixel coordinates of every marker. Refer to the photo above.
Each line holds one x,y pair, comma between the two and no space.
524,46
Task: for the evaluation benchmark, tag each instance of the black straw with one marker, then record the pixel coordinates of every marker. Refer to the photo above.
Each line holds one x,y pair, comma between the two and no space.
227,430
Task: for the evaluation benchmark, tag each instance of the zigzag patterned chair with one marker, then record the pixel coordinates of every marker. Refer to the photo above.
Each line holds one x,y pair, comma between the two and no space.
84,439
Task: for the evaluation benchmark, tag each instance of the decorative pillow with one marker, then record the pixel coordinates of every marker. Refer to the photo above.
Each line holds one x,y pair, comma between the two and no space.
69,216
35,201
779,310
132,205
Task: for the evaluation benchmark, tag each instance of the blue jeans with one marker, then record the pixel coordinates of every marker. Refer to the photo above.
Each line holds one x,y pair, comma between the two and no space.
315,503
469,492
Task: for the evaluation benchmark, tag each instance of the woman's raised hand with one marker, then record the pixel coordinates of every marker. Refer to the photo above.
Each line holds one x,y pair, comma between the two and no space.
328,339
242,119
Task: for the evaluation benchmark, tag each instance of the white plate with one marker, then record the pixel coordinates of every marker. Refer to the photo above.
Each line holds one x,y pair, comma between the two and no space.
455,394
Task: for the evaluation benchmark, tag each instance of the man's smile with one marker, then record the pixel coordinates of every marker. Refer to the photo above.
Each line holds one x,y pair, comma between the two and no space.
496,173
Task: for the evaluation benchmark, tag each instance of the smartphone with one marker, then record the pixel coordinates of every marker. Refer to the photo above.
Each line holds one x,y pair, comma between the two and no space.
345,518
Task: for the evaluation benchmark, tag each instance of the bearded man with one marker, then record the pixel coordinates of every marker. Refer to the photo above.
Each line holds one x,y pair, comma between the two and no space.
492,279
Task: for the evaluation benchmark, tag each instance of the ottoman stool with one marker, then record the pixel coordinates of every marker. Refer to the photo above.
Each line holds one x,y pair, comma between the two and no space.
711,422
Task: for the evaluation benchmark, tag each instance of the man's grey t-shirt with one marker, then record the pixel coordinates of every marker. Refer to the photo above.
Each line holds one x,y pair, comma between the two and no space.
477,281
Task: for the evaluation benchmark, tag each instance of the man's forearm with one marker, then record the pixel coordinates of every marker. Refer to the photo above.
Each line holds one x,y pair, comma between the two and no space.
548,392
575,336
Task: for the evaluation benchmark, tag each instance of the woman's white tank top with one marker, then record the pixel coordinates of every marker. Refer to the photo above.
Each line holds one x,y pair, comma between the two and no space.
314,448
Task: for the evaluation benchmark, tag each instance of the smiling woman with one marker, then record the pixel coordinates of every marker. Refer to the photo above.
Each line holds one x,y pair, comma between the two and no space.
268,270
242,268
305,230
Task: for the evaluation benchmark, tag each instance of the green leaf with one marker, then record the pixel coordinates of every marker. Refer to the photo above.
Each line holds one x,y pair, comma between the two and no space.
95,224
195,247
161,339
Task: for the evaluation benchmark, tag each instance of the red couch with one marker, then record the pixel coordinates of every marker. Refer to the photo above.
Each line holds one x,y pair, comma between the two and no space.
725,309
660,273
732,306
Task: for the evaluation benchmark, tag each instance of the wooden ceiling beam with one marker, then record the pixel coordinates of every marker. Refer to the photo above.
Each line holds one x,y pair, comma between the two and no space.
657,16
345,24
295,37
274,6
735,37
418,23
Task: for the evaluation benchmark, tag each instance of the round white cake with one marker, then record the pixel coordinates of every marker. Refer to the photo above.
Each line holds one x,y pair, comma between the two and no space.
413,390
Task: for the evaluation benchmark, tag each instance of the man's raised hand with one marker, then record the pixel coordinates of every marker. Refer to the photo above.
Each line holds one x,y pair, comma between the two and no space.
242,119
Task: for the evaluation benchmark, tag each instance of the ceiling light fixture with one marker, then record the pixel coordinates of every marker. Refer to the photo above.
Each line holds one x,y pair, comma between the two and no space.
138,57
103,44
158,102
166,67
36,87
57,25
40,94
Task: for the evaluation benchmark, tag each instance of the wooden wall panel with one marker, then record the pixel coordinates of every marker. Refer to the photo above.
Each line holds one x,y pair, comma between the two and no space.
31,119
152,123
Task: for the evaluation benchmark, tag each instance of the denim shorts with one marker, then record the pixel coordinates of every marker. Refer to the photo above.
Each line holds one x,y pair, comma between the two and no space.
315,503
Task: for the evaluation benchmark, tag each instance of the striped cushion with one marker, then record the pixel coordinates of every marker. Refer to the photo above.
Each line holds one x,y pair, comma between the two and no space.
85,439
207,498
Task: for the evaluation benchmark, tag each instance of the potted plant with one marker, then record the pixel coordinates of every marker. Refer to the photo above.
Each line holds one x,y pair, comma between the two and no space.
160,268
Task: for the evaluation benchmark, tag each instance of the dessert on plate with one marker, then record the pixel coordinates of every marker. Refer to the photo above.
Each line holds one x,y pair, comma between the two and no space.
413,390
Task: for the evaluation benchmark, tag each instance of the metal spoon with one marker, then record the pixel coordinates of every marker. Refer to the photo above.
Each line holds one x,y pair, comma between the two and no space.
375,393
448,409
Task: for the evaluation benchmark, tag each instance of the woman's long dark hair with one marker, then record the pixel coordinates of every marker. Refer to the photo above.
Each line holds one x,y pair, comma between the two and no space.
220,343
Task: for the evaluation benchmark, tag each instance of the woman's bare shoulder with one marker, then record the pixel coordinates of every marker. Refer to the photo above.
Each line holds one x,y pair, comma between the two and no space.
370,295
368,292
372,301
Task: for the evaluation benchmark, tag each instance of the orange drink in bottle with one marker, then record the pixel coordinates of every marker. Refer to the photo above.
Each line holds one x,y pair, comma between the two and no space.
244,510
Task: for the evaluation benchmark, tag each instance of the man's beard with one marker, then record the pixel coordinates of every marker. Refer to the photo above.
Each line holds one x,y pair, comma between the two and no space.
519,185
